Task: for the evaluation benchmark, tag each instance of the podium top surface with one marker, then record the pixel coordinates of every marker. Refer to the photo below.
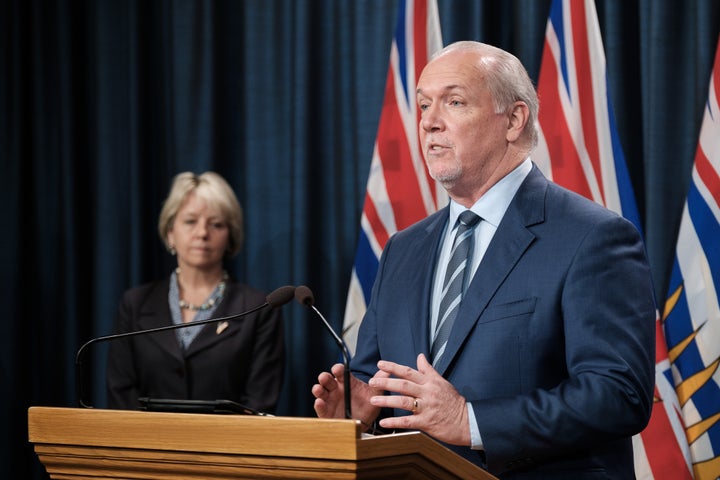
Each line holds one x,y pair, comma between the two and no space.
195,432
241,435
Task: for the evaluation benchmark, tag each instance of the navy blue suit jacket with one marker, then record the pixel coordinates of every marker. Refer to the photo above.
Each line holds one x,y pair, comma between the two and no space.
554,341
243,363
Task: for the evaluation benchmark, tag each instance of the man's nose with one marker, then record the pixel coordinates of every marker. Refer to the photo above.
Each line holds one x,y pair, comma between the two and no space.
431,119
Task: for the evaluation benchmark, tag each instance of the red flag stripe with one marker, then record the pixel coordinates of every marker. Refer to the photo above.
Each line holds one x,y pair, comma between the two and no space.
665,457
708,175
420,18
380,234
403,189
566,168
583,68
422,56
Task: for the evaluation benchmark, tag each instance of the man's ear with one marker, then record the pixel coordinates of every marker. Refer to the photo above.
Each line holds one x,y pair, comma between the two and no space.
517,119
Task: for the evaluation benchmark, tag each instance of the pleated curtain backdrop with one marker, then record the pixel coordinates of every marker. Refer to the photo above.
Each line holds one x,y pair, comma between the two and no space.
102,102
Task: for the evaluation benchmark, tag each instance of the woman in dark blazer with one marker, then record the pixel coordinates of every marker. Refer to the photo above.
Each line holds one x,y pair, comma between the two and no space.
240,360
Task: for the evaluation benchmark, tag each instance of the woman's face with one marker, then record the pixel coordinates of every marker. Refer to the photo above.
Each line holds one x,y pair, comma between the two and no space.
199,234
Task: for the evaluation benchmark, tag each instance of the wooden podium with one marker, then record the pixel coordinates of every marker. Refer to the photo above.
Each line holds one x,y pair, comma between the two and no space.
75,443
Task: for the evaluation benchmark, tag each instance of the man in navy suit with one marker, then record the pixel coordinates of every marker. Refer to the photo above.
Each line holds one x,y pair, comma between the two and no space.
547,370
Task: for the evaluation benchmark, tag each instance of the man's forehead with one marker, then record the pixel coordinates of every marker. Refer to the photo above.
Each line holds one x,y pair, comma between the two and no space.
446,88
451,71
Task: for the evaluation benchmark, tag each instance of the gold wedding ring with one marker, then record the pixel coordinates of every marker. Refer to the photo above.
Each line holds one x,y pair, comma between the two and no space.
415,405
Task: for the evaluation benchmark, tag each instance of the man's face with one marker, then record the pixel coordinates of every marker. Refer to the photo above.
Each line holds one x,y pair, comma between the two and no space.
462,137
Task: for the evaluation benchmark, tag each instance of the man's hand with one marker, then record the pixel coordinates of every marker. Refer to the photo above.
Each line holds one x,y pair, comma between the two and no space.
329,395
437,408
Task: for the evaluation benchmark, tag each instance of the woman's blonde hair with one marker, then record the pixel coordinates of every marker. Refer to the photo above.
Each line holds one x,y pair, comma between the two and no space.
218,194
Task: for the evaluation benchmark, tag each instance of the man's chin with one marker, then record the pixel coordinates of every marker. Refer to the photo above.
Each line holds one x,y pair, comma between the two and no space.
444,178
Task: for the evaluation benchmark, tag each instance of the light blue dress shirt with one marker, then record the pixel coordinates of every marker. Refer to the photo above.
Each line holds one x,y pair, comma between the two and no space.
491,208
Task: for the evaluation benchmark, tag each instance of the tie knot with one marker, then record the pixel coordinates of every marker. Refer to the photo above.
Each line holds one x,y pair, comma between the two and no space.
468,218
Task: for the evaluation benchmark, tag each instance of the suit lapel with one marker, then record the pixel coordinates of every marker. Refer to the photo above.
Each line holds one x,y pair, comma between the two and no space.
155,313
509,243
419,312
213,333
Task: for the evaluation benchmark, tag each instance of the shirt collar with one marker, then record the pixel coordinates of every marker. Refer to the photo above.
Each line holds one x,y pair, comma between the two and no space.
492,205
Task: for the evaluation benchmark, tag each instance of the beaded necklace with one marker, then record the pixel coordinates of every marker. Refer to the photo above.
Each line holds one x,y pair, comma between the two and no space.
214,297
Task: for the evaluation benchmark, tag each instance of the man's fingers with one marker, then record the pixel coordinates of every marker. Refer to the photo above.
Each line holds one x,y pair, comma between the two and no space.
397,378
423,365
379,375
338,370
321,408
403,387
319,391
395,369
404,402
327,380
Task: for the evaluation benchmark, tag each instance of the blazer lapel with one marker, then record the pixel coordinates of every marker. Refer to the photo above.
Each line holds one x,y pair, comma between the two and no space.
509,243
213,333
155,313
419,312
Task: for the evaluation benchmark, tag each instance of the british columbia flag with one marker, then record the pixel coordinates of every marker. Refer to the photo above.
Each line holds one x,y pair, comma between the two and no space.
692,311
580,149
399,190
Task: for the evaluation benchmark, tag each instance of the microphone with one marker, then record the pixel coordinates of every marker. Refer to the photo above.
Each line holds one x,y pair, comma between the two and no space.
305,297
277,298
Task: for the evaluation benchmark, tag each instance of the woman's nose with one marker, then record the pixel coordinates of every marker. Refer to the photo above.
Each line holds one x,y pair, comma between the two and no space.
201,229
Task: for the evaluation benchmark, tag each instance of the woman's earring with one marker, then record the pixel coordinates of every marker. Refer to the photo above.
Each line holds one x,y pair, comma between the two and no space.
172,250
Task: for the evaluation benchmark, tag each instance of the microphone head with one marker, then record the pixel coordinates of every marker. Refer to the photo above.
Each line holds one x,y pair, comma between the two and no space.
304,296
280,296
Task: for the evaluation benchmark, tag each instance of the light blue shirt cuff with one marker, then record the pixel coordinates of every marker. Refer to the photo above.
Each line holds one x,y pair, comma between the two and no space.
475,438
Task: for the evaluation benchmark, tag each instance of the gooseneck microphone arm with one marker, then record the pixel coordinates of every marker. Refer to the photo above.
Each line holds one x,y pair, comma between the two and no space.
304,296
277,298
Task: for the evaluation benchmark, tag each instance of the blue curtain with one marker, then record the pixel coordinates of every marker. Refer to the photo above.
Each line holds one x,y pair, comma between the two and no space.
102,102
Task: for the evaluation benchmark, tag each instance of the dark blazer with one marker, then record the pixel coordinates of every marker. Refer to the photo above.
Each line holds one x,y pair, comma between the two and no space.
243,363
554,340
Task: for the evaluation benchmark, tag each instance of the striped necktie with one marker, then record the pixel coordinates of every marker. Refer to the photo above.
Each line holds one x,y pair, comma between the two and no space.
455,282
